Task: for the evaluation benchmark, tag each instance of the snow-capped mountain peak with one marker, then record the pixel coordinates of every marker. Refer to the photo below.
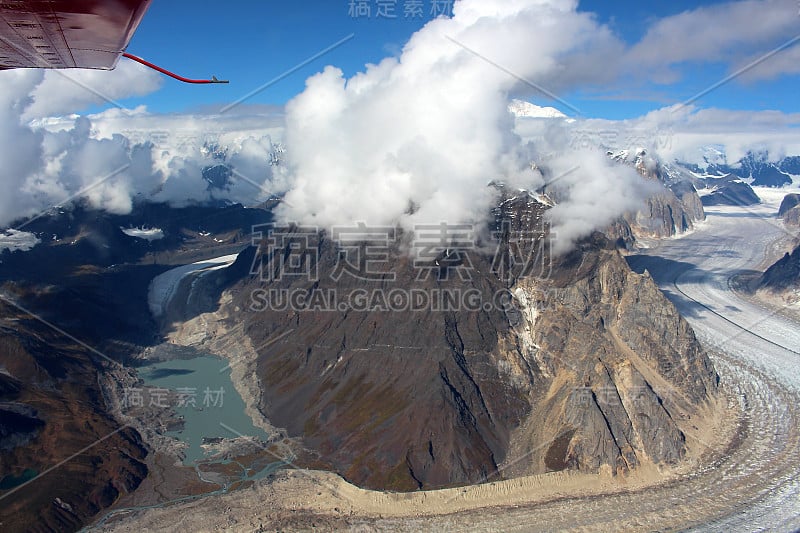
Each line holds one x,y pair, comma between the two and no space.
523,109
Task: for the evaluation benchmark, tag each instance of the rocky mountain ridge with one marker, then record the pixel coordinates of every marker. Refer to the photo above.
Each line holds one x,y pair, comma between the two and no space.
731,192
585,366
789,210
756,166
783,276
672,211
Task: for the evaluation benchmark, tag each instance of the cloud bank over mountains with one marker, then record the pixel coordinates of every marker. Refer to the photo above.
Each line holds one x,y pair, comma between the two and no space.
118,156
416,139
413,139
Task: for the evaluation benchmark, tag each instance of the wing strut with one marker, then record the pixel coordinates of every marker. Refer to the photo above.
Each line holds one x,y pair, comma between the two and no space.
168,73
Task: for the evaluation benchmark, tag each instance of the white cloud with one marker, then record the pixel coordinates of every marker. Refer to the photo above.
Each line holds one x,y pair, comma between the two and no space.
428,128
596,194
20,147
723,32
147,234
687,131
66,91
432,127
674,132
116,157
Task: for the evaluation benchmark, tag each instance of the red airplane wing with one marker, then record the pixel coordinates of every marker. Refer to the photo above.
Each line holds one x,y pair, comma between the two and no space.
67,34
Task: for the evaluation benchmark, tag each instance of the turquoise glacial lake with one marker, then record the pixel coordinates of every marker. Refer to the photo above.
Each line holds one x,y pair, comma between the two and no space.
206,400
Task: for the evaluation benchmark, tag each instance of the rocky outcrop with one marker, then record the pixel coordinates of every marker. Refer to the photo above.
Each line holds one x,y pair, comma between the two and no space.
736,192
672,211
783,277
551,363
790,209
664,216
784,274
792,217
627,368
691,202
789,202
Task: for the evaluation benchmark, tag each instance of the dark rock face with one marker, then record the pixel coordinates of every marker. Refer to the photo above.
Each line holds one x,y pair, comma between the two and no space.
393,399
790,209
763,172
664,216
686,193
790,165
785,273
732,193
576,363
19,423
218,177
789,202
756,166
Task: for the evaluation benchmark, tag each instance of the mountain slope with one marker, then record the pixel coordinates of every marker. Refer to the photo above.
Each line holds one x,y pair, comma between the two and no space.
51,407
85,284
784,274
586,366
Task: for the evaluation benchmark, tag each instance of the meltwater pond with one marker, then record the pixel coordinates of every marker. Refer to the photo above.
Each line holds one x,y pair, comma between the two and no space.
201,391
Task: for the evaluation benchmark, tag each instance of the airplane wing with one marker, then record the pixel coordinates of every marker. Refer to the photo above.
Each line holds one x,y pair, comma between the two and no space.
67,33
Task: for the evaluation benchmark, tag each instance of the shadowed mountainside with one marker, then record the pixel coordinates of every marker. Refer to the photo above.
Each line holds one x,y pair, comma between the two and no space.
784,274
89,280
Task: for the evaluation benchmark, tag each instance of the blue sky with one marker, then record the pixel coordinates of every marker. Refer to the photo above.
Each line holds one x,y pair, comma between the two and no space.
254,42
251,43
